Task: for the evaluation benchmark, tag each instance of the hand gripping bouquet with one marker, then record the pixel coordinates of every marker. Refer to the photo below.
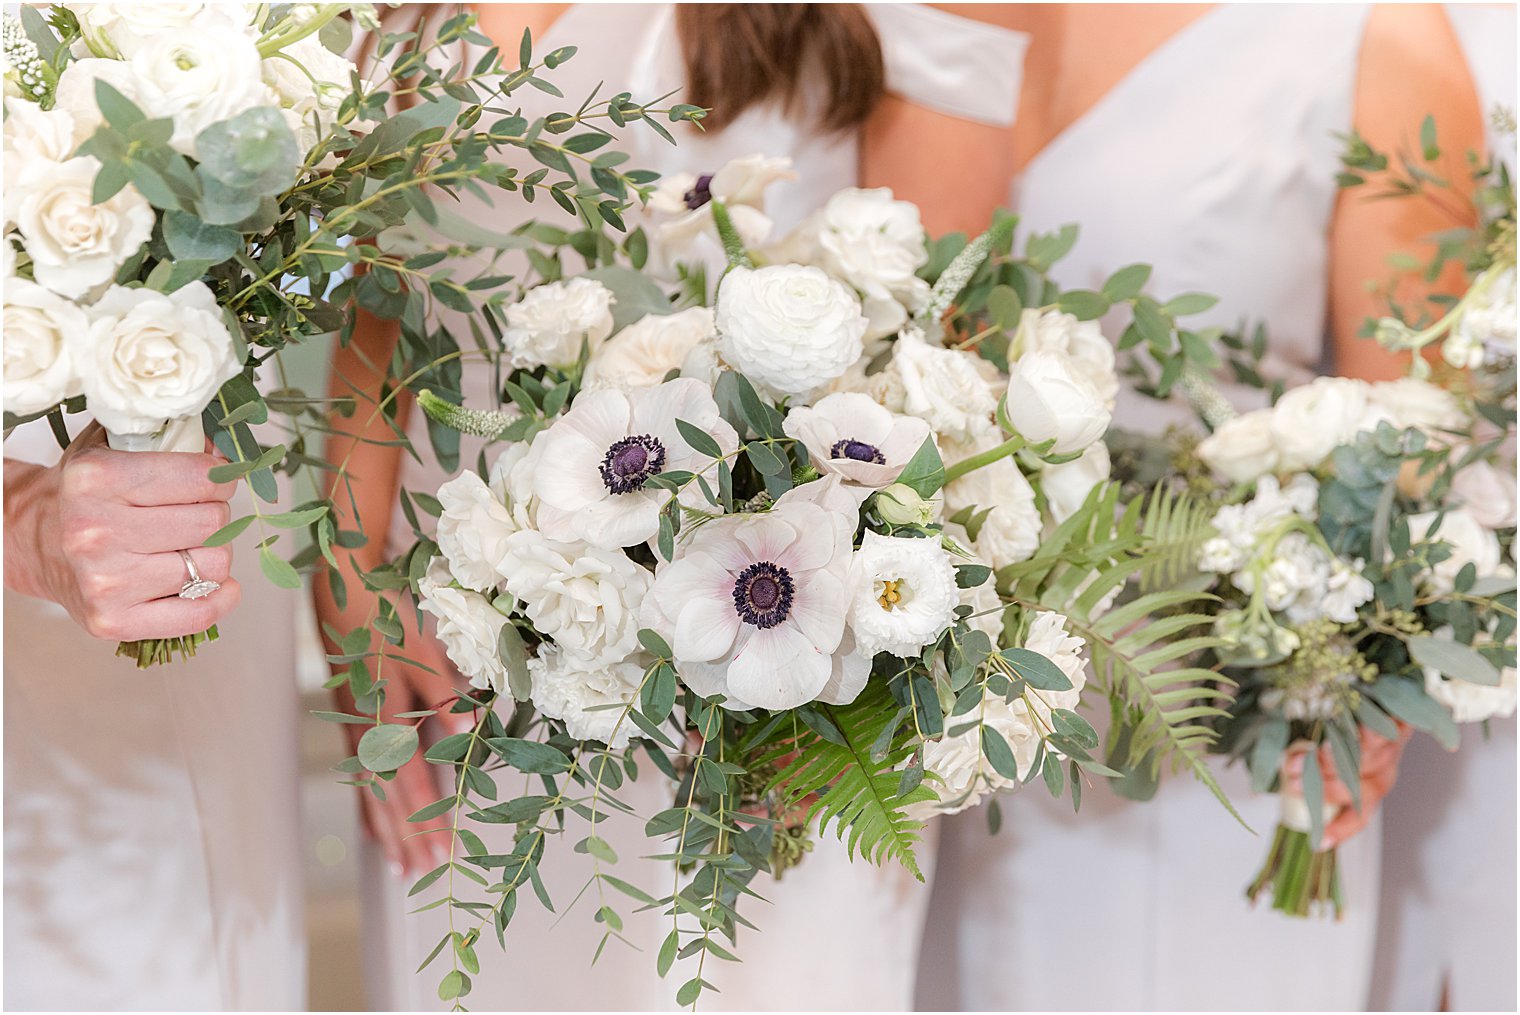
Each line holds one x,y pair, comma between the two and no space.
188,191
827,565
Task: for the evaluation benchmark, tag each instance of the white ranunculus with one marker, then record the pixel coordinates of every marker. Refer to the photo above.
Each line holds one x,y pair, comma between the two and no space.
1049,398
1086,348
311,81
1010,532
149,357
1312,420
1409,402
788,327
1067,485
75,94
1243,449
584,598
468,626
902,594
642,354
876,244
198,76
473,531
849,435
39,372
1488,494
33,136
1470,702
75,244
943,387
1470,542
548,326
124,29
579,696
681,205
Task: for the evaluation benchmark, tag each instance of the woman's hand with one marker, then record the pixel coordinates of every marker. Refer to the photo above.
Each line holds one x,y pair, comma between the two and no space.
1380,769
99,534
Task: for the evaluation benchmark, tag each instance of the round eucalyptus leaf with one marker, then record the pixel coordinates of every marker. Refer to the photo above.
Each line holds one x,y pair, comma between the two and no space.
254,151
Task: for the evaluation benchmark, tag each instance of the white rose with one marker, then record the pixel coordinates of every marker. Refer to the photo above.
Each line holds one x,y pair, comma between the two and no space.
149,357
39,373
1487,493
1470,543
943,387
1086,348
198,76
548,326
75,244
1067,485
32,136
788,327
1311,421
1408,402
1050,399
468,626
642,354
586,599
876,244
123,29
311,81
473,531
580,696
1010,532
75,94
1243,449
1470,702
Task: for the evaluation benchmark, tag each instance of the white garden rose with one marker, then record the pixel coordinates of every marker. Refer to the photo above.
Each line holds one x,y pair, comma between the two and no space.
124,29
473,531
198,76
1470,702
1409,402
149,357
1067,485
1086,348
1048,636
585,598
75,94
642,354
311,82
75,244
32,136
1488,494
875,244
39,372
581,696
788,327
1010,531
1310,421
902,594
1243,449
468,627
1470,543
943,387
1050,399
548,326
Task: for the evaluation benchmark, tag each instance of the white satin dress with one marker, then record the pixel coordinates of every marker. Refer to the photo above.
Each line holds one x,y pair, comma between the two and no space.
837,935
152,818
1214,160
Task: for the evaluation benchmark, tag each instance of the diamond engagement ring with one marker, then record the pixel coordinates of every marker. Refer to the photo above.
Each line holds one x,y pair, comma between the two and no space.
196,587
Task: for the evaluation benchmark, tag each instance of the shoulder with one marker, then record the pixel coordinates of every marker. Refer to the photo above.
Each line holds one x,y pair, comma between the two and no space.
1412,65
943,59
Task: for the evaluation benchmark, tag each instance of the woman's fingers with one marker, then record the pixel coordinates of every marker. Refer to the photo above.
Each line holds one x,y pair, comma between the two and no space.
172,617
158,575
177,527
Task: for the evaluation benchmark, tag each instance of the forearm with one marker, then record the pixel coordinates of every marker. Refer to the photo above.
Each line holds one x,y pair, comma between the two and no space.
29,489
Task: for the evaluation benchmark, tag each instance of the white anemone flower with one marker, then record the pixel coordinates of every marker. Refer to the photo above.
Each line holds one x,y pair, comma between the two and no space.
902,594
596,457
849,435
682,204
754,606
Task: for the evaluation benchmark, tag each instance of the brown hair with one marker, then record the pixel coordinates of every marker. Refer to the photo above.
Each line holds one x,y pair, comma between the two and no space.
738,55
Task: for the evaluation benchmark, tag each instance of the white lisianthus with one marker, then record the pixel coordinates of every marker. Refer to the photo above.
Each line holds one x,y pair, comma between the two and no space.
1409,402
1243,449
788,327
32,136
124,29
39,372
1486,329
754,606
598,455
1082,343
75,94
197,76
1487,493
548,326
1067,485
642,354
850,436
468,627
1050,399
149,357
943,387
473,531
682,203
1010,530
579,696
1312,420
1470,543
311,82
585,598
902,594
1470,702
75,244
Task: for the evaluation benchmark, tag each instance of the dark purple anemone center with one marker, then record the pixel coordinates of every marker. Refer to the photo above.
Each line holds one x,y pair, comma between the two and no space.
700,193
763,594
858,451
630,461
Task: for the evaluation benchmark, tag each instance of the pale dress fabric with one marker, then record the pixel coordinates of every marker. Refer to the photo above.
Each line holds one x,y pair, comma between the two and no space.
152,819
1214,161
1448,915
836,935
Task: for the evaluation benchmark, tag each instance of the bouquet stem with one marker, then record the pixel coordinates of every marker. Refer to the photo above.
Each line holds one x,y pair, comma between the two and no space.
153,651
1304,881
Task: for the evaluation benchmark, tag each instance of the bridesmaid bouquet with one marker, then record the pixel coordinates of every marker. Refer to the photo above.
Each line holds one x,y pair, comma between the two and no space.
189,192
833,553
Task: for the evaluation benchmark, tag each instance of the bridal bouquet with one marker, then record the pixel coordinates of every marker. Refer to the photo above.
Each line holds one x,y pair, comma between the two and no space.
189,189
834,552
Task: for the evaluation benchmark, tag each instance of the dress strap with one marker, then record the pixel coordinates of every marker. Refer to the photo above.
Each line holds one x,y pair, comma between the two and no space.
951,64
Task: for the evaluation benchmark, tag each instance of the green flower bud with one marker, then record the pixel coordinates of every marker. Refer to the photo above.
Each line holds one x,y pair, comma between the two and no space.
899,504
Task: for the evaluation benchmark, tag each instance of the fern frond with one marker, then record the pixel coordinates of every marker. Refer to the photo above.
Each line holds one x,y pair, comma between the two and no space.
1176,526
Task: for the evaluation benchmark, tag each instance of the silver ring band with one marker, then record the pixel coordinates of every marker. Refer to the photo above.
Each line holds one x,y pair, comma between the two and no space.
197,587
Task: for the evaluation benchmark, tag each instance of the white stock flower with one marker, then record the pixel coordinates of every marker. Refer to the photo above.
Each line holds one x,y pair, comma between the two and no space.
754,606
124,29
850,436
586,599
595,458
1488,494
875,244
1082,343
197,76
473,531
1243,449
38,325
681,204
1050,399
1310,421
1470,702
943,387
1239,527
311,82
1409,402
149,357
1486,329
1470,543
75,94
902,594
642,354
550,323
788,327
75,244
1010,531
1345,590
468,626
1293,580
579,695
1067,485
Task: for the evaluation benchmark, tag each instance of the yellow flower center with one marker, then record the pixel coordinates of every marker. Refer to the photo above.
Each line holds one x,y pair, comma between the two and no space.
890,595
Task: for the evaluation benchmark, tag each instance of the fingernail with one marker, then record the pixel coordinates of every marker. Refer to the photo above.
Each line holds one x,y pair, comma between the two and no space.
397,869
